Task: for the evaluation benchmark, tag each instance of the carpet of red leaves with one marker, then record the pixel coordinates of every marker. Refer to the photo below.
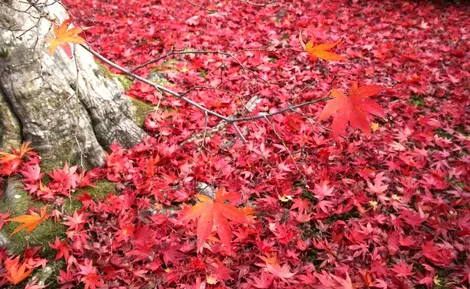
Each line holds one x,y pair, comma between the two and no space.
387,211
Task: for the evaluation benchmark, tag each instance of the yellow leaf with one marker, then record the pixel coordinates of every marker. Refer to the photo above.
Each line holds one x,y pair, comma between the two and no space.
211,279
374,126
373,204
320,51
285,198
63,36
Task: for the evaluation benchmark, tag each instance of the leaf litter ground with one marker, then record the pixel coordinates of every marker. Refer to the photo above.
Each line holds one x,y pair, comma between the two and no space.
386,211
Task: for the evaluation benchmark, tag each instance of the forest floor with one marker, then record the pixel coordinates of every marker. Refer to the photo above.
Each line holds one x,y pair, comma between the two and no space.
297,205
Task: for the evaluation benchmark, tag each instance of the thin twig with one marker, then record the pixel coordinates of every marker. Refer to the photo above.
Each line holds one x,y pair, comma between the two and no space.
200,6
193,103
288,151
172,52
157,86
205,130
259,4
290,108
238,131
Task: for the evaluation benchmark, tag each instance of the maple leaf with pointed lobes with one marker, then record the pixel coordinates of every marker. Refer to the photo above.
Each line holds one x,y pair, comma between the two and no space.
31,173
218,213
403,270
63,36
263,282
62,247
438,255
346,283
30,222
282,272
322,191
16,273
321,51
378,187
66,279
353,108
76,221
90,277
9,163
6,157
3,219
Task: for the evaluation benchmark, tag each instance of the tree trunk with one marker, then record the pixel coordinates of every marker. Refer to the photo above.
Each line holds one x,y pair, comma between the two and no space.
66,108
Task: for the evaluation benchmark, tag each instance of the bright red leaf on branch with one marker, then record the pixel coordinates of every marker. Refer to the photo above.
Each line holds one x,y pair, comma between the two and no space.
216,212
353,108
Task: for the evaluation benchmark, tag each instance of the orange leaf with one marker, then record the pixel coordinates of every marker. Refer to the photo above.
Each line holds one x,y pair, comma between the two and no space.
16,273
321,51
6,157
30,222
354,108
24,149
15,155
63,36
216,212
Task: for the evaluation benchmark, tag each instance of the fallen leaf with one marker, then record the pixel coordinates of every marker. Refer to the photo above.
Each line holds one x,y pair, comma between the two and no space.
321,51
218,213
16,272
353,108
30,222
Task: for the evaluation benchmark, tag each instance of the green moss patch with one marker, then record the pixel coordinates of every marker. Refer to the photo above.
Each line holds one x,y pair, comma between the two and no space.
417,100
98,193
124,80
18,204
142,109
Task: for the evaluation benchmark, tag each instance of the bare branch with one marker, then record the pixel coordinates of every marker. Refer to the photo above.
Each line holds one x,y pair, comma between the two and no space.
288,151
259,4
159,87
290,108
202,7
182,52
193,103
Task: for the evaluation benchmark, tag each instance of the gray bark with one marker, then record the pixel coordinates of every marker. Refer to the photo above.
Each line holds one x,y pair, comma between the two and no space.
66,108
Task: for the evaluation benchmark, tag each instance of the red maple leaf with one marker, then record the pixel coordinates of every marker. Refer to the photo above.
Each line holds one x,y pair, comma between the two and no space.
263,282
3,219
31,173
218,212
403,270
322,191
439,256
283,272
62,247
92,281
90,278
76,221
10,163
66,279
353,108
